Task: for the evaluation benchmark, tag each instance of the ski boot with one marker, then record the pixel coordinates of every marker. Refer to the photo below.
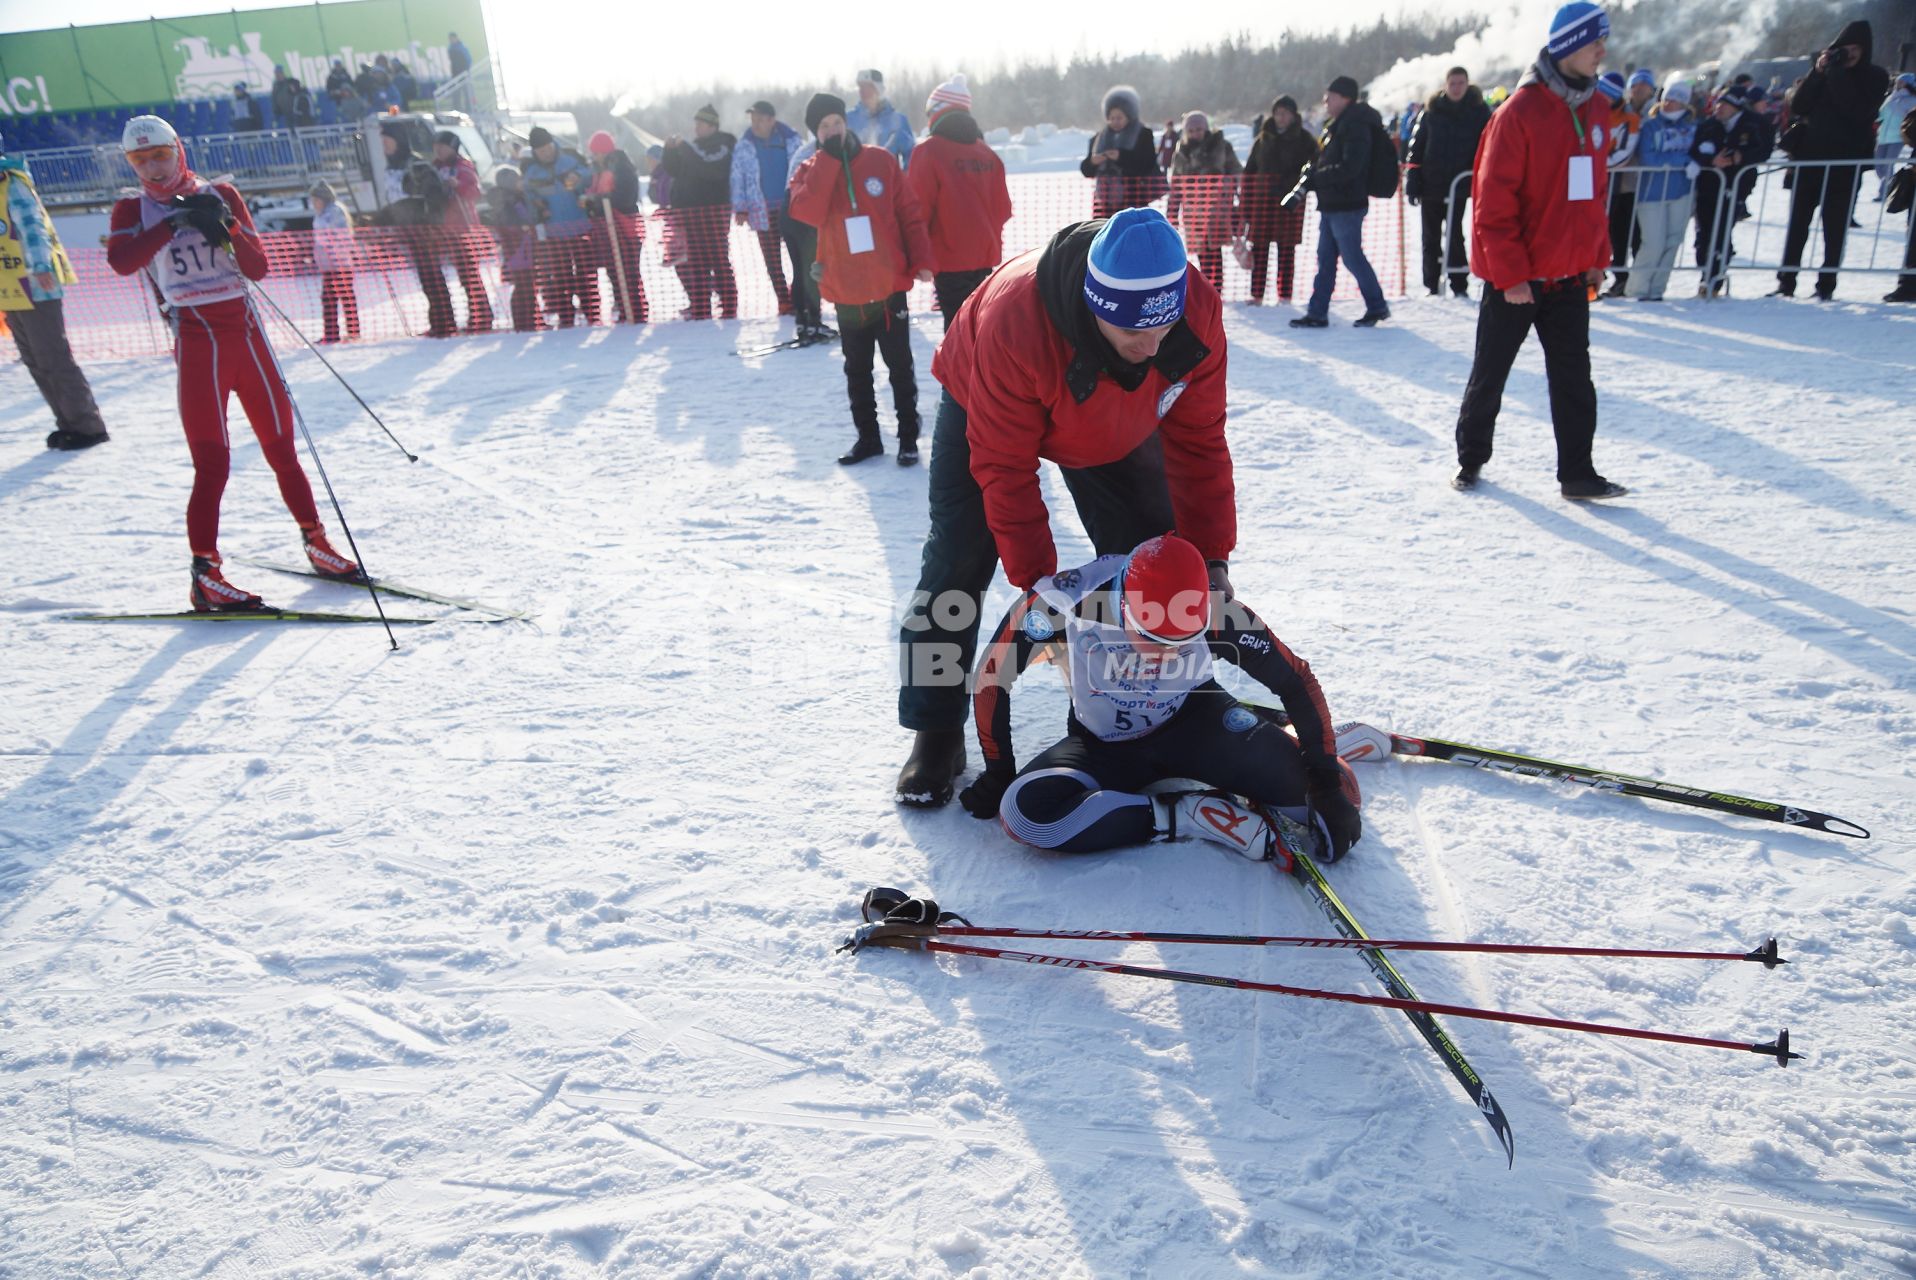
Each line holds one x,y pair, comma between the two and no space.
326,562
212,593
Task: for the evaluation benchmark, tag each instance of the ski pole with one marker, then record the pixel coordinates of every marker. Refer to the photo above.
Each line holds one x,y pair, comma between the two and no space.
1599,779
410,455
313,449
1765,955
1778,1048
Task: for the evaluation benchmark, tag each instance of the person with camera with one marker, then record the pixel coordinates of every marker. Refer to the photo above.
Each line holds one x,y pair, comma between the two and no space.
1832,118
557,179
1729,145
1340,177
701,214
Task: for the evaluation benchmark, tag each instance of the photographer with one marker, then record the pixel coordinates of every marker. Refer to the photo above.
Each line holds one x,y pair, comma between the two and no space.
567,279
1833,117
1728,146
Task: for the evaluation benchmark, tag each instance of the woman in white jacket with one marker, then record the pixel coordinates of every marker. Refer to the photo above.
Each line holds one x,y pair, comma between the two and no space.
333,254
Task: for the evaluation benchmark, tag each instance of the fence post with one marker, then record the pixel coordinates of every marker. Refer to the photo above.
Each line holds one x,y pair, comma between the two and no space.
618,262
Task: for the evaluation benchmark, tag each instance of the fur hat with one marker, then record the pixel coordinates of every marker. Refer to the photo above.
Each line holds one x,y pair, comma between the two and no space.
822,105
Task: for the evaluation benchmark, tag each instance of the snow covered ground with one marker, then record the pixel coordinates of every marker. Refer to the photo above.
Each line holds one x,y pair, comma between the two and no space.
510,953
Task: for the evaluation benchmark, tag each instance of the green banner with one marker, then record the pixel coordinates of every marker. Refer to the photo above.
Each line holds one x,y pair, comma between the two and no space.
143,64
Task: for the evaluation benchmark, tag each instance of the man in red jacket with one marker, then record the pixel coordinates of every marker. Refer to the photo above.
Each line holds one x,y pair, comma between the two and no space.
195,240
871,247
461,227
1103,353
960,184
1540,239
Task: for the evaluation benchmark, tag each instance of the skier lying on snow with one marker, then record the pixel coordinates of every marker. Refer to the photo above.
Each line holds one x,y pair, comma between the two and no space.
1140,640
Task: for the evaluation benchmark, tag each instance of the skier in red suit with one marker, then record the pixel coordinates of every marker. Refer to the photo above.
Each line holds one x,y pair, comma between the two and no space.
196,242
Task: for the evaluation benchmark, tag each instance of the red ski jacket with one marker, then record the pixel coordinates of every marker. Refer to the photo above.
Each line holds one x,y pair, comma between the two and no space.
1526,227
961,188
1025,361
824,196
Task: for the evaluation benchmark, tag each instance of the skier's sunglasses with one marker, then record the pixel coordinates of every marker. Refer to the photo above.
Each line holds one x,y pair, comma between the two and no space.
148,153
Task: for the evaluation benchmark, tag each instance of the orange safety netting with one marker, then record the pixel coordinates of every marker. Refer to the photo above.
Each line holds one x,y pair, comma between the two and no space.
379,283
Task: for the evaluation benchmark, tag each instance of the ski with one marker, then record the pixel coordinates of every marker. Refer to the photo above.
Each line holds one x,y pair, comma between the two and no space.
1626,784
244,615
1434,1035
1371,744
791,344
390,588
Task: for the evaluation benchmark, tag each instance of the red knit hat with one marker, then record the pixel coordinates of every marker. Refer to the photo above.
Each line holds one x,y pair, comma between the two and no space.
1164,591
953,94
600,144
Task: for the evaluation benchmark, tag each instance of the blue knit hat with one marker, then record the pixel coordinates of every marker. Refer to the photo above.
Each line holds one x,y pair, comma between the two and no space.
1577,24
1610,85
1643,75
1134,277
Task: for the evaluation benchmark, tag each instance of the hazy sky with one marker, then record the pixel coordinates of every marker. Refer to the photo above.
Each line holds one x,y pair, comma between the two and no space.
558,48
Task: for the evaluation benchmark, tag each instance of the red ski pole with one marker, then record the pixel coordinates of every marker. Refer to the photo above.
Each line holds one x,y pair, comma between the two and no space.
1765,955
1778,1048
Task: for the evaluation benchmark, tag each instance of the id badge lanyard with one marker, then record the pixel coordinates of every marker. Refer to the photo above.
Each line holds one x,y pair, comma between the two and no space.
1581,177
858,227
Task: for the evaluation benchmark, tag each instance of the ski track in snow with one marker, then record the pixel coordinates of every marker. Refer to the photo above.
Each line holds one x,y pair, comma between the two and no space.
510,953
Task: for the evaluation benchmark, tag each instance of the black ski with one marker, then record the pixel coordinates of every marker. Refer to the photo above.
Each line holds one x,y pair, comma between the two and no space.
1394,982
244,615
790,344
1598,779
391,588
1624,783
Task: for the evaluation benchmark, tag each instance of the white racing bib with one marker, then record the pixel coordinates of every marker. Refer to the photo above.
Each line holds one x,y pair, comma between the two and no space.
190,272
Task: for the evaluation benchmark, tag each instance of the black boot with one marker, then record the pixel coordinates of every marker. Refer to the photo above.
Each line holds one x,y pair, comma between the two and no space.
908,447
68,441
866,446
937,759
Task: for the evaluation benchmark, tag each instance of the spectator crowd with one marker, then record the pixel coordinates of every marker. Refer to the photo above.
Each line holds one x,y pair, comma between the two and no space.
851,204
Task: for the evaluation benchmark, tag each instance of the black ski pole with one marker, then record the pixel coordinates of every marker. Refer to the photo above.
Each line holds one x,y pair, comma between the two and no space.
311,346
313,448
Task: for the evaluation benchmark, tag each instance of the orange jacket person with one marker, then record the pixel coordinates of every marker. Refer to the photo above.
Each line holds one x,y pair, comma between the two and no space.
871,247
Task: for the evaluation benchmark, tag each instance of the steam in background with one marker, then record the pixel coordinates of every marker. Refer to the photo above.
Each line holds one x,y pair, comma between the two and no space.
1665,37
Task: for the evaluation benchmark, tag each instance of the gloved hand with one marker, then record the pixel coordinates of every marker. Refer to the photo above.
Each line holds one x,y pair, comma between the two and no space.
1221,579
1691,170
1295,200
1414,184
206,213
982,797
1339,816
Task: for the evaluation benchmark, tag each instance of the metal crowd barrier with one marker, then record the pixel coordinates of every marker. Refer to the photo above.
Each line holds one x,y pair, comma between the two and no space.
1759,241
272,159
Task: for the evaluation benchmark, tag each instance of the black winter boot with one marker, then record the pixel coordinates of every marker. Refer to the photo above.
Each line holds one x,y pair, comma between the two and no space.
937,759
866,446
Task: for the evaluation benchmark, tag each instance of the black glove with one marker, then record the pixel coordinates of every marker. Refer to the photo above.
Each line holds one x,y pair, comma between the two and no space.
982,797
1220,572
1295,200
206,213
1414,184
1339,816
834,146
